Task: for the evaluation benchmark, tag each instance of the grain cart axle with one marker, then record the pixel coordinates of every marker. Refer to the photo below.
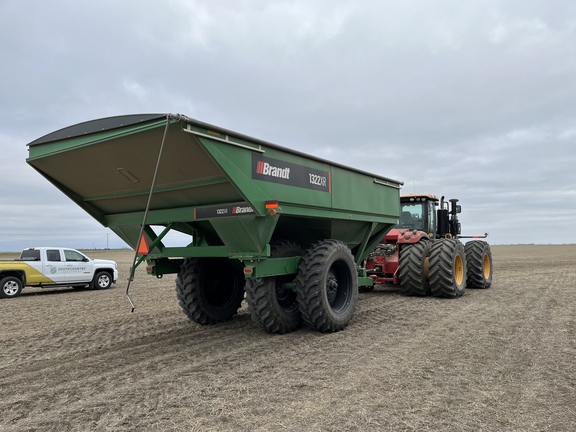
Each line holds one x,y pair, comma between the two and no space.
283,229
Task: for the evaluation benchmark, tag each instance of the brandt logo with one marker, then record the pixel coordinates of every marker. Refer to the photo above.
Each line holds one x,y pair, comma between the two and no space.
291,174
241,210
266,169
213,212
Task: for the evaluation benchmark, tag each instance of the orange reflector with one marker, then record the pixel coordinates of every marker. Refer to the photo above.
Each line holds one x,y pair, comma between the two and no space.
143,246
272,204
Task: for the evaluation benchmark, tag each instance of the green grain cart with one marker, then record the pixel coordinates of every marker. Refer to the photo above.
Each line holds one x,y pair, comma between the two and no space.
285,230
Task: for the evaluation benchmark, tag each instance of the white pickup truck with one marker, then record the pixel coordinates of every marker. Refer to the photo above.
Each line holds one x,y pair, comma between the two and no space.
51,267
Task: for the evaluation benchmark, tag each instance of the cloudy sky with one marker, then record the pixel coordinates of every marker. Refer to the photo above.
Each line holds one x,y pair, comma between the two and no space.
472,99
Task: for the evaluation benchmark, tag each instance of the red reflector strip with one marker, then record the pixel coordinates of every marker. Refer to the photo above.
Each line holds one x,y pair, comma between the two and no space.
272,204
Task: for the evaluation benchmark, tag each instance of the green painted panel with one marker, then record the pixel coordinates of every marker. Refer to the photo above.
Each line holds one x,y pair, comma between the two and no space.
245,233
109,174
364,194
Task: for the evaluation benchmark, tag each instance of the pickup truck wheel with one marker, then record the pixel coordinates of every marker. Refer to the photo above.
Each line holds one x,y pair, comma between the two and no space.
272,301
10,287
102,280
327,287
209,290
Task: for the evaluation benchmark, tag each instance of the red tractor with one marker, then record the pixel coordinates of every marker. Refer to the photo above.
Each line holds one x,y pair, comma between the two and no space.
423,253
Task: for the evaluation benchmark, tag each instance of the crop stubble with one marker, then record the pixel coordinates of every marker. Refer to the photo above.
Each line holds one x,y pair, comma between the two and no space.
497,359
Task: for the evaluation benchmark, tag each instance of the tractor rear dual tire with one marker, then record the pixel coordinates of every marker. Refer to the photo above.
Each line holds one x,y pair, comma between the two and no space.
478,264
413,268
327,290
210,290
271,301
447,268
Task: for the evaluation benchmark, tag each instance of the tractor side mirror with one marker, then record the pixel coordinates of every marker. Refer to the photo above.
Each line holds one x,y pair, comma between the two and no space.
458,209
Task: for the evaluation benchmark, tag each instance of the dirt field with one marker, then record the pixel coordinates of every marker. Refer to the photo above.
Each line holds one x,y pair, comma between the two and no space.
502,359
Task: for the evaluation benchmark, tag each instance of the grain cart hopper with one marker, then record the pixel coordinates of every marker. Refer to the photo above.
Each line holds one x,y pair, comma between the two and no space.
289,228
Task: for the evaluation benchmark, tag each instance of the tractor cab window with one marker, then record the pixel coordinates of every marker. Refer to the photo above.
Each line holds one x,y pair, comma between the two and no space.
431,218
411,216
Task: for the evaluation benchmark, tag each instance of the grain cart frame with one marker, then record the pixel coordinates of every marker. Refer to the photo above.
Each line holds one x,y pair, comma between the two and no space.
290,228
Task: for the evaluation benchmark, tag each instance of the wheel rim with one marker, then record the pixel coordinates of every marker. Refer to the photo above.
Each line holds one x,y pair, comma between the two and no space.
10,288
458,269
426,268
486,266
285,295
331,288
338,282
221,285
103,281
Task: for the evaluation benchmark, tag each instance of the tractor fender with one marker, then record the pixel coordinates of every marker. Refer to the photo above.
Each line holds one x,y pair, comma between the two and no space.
410,237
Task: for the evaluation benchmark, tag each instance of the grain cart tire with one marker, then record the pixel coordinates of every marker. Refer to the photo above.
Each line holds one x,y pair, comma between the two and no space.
414,268
478,264
102,280
447,268
271,301
327,288
10,287
209,290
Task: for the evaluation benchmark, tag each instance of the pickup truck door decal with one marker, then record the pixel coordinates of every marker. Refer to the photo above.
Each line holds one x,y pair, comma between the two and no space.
77,269
55,268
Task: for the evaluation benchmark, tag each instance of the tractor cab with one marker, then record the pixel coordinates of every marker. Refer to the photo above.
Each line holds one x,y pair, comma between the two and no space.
418,212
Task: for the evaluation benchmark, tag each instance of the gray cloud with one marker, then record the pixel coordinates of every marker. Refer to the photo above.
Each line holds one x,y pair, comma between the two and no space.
473,100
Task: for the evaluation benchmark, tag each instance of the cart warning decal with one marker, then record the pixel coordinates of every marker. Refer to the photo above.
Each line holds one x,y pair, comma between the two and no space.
277,171
212,212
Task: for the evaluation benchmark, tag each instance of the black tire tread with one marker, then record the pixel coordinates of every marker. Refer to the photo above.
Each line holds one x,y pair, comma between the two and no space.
6,279
410,271
442,280
189,293
475,251
311,286
95,284
263,308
